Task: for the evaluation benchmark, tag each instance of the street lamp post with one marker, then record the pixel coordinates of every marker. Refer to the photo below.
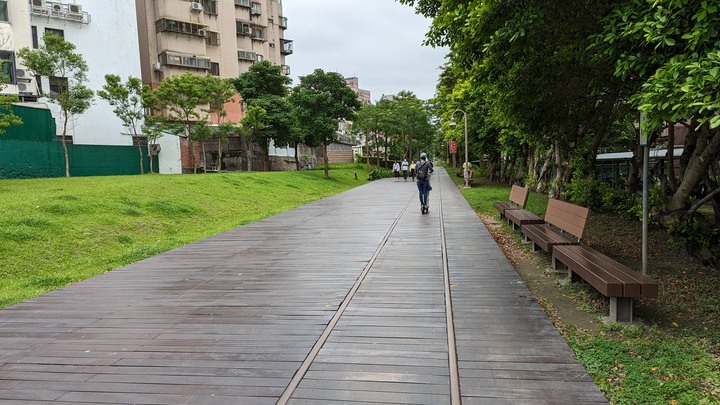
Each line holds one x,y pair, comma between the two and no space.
466,165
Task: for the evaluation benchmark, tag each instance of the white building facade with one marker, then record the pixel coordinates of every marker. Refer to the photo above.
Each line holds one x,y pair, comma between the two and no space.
105,34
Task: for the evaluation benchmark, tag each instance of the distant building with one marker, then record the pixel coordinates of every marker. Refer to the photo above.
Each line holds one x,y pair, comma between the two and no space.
363,95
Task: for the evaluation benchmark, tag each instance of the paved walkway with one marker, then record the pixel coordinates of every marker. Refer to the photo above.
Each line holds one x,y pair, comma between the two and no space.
354,299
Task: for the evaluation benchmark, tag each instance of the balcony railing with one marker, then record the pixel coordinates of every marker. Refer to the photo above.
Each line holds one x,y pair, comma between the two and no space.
287,46
61,11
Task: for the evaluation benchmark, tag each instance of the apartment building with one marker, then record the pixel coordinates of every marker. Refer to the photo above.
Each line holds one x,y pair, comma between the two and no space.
106,36
222,38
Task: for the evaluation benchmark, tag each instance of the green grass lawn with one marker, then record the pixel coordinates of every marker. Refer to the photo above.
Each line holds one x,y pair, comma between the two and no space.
54,232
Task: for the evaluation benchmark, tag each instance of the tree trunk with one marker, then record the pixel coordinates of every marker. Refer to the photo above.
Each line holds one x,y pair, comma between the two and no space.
140,152
555,189
326,160
150,160
248,154
377,151
297,159
386,152
192,156
64,144
266,157
544,171
671,180
706,149
367,148
220,151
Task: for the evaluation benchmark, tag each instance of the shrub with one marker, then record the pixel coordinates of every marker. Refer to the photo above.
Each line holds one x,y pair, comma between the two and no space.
377,174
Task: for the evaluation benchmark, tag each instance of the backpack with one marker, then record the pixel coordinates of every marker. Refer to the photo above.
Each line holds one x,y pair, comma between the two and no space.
422,171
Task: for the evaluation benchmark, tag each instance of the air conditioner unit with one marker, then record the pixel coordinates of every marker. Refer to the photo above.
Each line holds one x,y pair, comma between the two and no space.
157,66
22,87
247,30
201,32
20,73
75,8
196,6
57,7
38,3
153,148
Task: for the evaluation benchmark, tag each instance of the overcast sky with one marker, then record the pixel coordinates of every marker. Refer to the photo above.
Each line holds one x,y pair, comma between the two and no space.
377,41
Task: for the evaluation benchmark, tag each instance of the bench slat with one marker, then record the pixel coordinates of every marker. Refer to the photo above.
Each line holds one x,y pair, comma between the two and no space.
520,217
519,195
590,264
569,217
546,237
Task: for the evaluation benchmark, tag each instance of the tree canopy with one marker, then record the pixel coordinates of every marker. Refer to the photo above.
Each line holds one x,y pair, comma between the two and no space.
321,100
549,84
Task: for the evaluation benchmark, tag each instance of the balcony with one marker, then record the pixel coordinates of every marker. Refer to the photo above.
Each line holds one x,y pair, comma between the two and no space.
247,55
282,22
180,27
287,46
58,10
258,34
243,3
185,60
256,9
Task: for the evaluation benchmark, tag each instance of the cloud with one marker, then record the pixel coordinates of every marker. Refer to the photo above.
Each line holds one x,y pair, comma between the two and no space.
378,41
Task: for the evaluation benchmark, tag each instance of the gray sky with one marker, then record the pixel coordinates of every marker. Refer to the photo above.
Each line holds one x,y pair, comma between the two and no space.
377,41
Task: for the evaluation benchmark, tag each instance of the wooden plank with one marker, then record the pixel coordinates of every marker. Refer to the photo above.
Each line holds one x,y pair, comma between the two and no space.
230,319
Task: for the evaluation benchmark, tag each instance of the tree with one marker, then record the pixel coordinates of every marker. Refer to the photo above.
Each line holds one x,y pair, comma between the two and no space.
220,92
412,121
57,60
252,123
7,117
183,101
321,100
669,48
370,122
127,100
265,87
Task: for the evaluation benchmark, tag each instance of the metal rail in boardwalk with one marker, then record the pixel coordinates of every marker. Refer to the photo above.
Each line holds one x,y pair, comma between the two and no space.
354,299
453,376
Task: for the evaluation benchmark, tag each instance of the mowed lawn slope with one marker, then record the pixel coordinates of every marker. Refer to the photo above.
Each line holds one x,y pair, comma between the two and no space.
54,232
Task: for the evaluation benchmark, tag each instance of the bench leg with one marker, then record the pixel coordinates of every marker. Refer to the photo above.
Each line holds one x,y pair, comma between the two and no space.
621,309
558,265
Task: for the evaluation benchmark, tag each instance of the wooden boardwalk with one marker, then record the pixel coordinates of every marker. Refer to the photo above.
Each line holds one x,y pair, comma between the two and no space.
354,299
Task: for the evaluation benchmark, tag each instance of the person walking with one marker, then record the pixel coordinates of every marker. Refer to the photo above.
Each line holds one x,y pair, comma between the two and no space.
412,170
423,170
396,171
404,168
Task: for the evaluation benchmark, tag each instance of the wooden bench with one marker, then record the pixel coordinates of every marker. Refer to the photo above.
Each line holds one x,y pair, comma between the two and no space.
611,278
517,216
561,219
518,198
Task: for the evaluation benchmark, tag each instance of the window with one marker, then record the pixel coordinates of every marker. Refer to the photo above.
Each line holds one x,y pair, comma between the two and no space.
212,38
3,11
58,85
35,42
7,66
210,7
60,33
214,68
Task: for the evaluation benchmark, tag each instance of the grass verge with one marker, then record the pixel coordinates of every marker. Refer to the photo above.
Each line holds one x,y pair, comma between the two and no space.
657,362
54,232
